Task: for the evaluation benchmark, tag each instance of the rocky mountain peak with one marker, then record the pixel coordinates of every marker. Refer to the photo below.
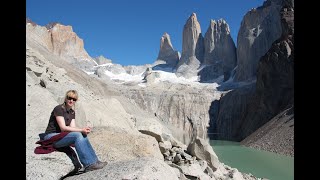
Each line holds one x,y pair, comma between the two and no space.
219,51
167,52
192,22
62,41
165,42
220,25
193,16
192,48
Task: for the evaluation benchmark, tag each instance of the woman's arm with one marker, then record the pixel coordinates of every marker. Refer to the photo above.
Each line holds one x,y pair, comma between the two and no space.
72,127
73,123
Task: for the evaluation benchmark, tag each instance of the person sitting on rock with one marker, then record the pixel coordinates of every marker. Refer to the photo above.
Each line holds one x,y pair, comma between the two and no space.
61,133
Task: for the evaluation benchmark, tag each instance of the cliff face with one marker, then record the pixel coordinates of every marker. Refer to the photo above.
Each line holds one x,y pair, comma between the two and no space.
226,114
275,78
219,52
273,93
61,41
259,28
182,108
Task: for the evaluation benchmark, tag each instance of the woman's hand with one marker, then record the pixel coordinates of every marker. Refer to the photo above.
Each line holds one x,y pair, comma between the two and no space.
86,130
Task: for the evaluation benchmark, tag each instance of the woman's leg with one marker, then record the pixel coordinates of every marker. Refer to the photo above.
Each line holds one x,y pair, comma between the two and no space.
48,136
72,155
83,147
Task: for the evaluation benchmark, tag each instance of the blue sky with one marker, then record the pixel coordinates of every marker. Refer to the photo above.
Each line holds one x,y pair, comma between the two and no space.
128,31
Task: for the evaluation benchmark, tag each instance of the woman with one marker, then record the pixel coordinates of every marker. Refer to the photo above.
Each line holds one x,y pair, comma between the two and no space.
62,120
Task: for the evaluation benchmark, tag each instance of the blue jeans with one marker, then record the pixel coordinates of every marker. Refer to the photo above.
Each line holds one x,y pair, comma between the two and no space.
83,147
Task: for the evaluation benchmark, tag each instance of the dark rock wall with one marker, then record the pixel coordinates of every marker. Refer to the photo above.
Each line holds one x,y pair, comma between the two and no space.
242,110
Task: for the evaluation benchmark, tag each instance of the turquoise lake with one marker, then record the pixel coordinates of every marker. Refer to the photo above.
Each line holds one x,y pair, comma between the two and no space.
262,164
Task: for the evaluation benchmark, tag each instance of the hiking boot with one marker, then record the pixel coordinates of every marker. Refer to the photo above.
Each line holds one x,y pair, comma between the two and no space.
95,166
77,167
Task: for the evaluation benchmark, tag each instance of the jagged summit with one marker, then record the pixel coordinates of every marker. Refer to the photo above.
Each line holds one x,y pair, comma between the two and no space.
167,54
193,21
51,25
62,41
221,23
193,15
166,42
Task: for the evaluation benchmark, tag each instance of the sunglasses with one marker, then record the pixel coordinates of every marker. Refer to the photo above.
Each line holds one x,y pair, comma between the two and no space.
69,98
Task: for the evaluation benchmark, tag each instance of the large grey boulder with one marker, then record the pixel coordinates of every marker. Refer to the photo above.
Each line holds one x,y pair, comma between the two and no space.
139,169
113,144
201,149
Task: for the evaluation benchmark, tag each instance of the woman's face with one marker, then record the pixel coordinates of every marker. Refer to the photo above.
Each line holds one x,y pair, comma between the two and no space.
70,101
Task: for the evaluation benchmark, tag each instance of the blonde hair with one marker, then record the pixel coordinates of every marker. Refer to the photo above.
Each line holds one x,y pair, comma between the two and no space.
71,93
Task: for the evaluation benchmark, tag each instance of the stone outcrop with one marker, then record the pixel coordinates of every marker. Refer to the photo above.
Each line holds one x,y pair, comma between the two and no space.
259,28
192,48
149,76
167,54
201,149
28,20
139,169
39,35
120,145
136,70
219,52
66,42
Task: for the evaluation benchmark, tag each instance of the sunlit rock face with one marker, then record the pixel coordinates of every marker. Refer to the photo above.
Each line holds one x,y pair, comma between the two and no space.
62,41
259,28
167,53
183,108
219,52
192,48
